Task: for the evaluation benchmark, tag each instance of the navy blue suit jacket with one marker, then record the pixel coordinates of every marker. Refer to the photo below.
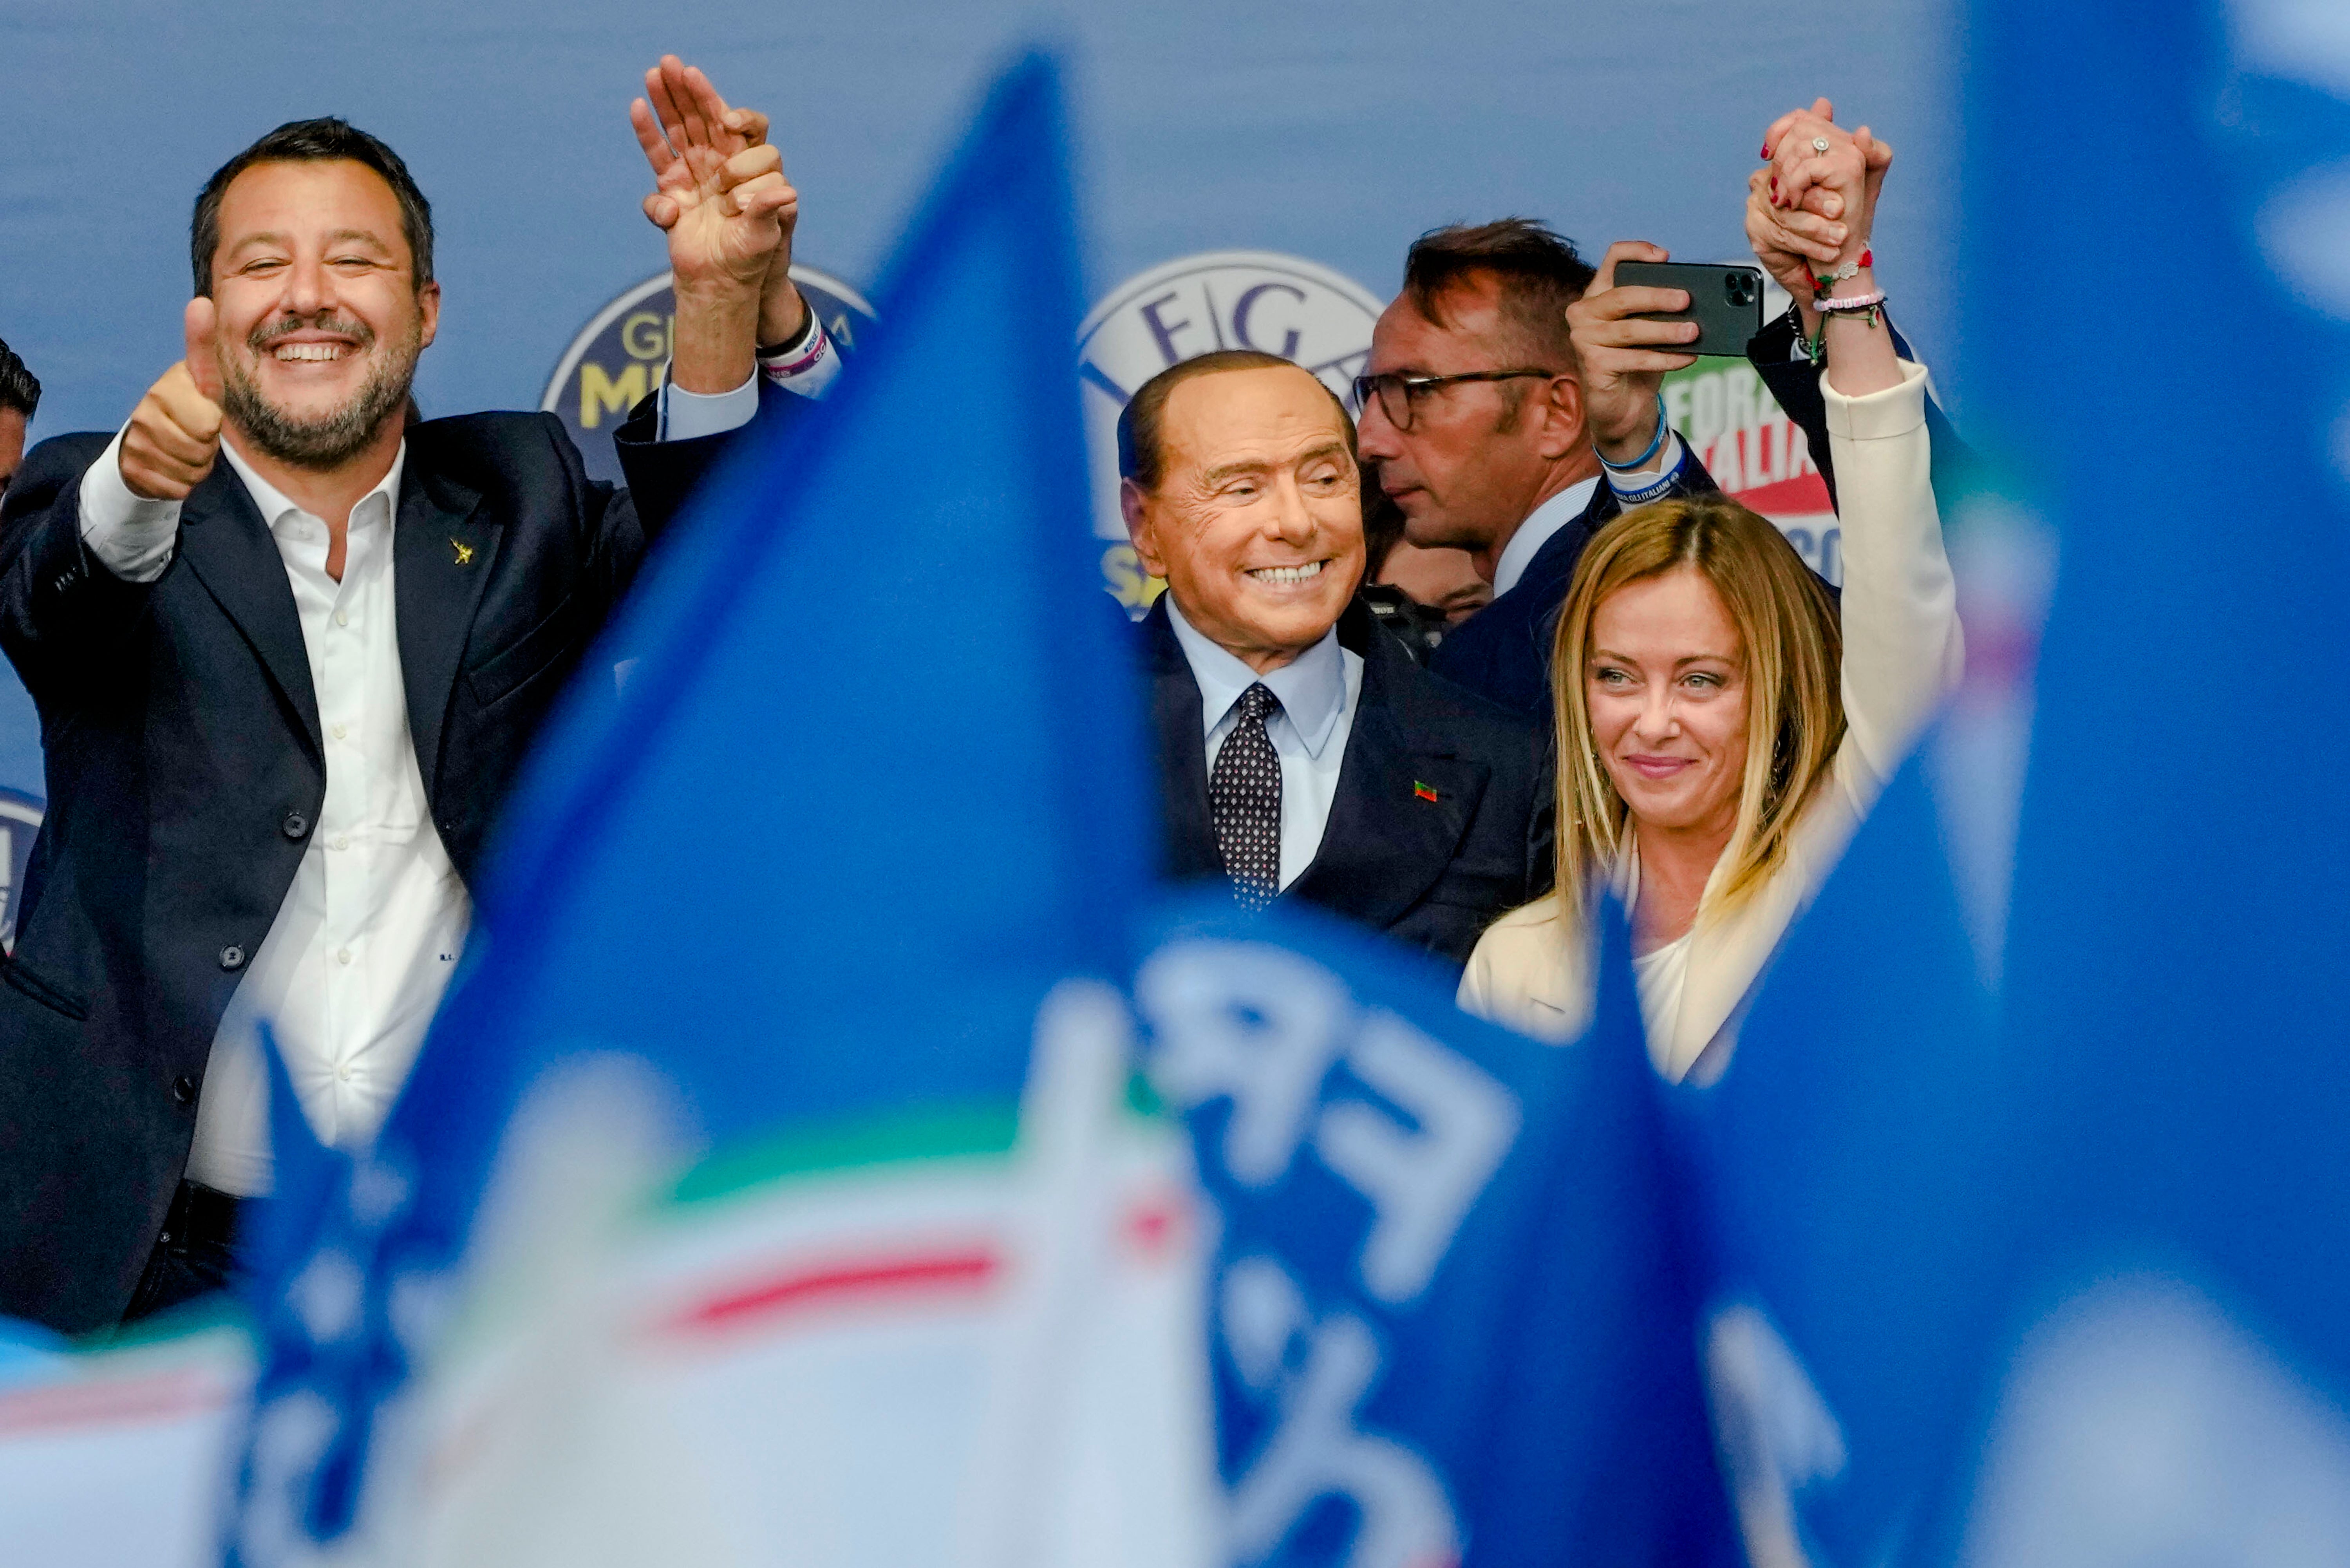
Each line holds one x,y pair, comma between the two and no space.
1503,652
1431,873
185,772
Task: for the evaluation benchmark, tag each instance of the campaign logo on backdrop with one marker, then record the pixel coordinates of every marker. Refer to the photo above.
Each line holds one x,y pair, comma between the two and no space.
1756,454
623,352
1197,304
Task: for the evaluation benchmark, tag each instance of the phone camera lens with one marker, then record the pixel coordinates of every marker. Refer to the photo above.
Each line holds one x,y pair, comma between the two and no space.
1740,286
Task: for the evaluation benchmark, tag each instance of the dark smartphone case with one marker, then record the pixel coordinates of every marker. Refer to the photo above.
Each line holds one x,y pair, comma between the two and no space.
1726,302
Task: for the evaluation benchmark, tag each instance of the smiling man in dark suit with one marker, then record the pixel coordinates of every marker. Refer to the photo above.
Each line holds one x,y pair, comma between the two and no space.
289,650
1302,753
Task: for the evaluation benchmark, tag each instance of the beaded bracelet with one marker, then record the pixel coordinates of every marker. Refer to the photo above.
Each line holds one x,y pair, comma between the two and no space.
1641,461
1873,304
1814,347
1857,302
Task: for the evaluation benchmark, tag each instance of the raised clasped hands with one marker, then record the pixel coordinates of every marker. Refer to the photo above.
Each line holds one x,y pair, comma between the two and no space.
720,198
1810,211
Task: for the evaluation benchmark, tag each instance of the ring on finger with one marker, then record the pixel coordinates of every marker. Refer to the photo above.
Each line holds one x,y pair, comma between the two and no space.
1819,144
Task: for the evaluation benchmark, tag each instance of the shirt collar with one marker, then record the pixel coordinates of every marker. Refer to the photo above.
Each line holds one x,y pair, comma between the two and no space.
275,505
1536,530
1312,686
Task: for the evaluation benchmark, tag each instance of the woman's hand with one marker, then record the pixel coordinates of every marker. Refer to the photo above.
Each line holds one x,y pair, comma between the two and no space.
1816,169
1813,190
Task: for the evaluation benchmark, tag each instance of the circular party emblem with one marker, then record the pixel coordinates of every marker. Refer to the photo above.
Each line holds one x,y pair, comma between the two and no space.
623,352
1181,309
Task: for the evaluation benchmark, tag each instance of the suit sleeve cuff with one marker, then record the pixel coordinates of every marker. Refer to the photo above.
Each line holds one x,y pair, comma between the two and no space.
130,535
1882,415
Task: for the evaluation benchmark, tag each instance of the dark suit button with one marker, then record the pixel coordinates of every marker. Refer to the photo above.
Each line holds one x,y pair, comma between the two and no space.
296,825
184,1089
232,957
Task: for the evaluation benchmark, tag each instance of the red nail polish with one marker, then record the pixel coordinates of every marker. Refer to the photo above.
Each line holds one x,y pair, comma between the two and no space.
1766,149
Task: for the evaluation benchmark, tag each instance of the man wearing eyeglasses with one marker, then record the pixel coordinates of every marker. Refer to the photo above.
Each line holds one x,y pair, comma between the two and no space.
1488,430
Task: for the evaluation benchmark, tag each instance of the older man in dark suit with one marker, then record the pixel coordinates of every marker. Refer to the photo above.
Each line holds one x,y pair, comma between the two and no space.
1302,753
288,652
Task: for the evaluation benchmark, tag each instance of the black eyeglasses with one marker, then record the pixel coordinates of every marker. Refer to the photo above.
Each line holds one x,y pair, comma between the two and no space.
1399,394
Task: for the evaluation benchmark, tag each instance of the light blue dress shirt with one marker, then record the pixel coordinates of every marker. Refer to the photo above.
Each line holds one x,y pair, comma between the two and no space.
1318,691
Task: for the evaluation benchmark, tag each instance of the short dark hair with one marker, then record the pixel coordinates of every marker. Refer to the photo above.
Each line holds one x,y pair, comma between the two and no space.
1140,456
1537,269
18,389
321,141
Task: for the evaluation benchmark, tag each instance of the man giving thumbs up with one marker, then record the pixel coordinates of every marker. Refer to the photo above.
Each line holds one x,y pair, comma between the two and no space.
289,645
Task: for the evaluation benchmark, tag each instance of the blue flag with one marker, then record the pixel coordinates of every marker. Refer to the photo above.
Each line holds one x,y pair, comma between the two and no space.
1451,1321
2176,1358
1853,1192
873,792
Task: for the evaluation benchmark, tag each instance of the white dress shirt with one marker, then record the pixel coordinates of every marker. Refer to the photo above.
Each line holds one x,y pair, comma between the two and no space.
364,943
1318,691
1543,523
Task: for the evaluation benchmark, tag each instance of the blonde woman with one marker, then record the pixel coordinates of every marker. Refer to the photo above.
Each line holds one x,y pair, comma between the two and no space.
1721,733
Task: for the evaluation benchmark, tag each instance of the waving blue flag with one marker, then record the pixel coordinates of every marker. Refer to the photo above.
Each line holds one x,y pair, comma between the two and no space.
872,793
1853,1193
1451,1318
2177,1357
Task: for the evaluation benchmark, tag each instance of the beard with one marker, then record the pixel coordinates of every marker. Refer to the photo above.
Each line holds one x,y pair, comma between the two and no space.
325,441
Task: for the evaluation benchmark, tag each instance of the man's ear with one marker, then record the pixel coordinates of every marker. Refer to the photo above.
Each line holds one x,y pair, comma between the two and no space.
1140,515
428,310
1565,430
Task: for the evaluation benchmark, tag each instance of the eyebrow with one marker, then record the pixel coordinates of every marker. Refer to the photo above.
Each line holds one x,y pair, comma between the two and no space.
271,237
1678,664
1225,471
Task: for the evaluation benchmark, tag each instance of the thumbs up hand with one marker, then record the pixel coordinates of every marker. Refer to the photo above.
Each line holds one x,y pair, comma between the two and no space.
174,432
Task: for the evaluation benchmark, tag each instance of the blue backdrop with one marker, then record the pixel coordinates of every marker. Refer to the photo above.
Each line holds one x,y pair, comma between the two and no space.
1335,133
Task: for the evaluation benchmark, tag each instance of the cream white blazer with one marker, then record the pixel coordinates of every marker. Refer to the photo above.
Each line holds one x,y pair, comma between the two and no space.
1903,651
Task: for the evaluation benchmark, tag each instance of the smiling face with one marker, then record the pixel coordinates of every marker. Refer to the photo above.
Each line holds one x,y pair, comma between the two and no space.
1666,688
320,318
1257,522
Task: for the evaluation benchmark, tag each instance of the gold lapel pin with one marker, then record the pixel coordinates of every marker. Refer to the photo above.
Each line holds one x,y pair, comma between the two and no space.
464,552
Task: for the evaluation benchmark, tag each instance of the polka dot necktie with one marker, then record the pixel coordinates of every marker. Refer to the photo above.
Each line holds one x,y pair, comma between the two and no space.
1244,798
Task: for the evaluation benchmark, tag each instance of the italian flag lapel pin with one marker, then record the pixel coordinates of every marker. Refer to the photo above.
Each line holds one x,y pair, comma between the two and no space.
1423,792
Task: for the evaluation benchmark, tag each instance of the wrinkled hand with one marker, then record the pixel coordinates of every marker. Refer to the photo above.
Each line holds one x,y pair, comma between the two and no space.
1793,246
1624,359
719,193
173,437
1821,205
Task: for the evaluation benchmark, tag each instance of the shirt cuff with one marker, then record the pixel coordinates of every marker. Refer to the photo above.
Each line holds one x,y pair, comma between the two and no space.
685,415
130,534
1635,486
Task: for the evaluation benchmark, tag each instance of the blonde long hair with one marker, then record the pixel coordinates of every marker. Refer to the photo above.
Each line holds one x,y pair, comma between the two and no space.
1791,649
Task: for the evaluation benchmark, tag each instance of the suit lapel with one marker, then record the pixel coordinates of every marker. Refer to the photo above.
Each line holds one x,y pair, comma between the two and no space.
1190,834
443,550
1387,844
226,544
